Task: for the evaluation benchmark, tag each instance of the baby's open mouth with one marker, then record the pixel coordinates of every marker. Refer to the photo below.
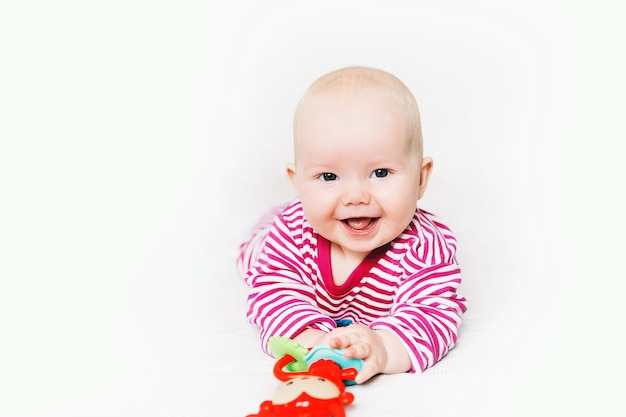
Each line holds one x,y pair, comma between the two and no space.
360,223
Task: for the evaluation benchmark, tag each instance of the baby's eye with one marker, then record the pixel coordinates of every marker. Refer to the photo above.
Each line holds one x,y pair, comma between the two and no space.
328,176
380,173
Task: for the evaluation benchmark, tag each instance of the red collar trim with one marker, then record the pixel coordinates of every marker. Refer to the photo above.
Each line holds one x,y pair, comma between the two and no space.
326,270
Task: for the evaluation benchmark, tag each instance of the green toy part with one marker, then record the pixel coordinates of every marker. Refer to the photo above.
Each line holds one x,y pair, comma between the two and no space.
280,346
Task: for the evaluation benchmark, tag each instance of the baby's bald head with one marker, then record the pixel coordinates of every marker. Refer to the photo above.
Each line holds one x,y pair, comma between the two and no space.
349,82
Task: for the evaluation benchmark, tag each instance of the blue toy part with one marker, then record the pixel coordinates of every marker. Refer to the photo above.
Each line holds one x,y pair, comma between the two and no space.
336,355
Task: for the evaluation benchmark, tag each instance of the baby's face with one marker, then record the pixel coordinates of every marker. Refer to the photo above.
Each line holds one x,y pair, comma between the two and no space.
356,171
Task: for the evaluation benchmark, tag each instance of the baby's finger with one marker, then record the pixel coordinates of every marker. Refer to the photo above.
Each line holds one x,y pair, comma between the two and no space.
341,341
358,350
368,371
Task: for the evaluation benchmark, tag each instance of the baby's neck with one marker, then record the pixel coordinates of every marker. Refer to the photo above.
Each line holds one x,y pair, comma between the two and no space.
344,263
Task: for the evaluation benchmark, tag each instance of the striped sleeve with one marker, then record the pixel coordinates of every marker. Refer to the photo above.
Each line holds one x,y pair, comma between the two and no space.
282,298
427,314
427,311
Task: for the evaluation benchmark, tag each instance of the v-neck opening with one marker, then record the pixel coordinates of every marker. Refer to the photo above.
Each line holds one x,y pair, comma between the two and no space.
326,268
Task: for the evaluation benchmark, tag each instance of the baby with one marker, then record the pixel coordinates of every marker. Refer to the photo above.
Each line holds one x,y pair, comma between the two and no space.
352,262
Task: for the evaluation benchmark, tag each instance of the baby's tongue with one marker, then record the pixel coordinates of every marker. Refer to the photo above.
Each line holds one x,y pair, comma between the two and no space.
359,223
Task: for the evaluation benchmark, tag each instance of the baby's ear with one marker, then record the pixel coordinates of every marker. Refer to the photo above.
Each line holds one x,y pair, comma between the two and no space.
291,173
425,171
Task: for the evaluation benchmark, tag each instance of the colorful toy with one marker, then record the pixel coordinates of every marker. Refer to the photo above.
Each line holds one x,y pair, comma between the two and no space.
314,381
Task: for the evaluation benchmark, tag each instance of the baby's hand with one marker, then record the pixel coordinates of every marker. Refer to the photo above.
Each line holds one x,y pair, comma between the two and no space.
360,341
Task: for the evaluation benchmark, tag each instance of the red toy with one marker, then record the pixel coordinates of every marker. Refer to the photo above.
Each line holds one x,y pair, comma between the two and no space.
317,392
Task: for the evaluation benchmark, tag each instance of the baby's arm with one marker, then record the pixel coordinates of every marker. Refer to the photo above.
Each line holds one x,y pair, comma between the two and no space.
282,308
427,314
281,300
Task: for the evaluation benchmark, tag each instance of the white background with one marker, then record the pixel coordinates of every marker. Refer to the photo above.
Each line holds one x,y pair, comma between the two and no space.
140,140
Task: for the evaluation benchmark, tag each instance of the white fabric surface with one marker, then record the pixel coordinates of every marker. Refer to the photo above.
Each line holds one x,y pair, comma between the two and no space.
139,141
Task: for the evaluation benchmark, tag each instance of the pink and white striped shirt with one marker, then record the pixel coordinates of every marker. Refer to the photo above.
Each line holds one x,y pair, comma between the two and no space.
407,286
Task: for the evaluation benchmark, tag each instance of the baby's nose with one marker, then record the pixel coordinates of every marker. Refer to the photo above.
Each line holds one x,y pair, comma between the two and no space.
356,193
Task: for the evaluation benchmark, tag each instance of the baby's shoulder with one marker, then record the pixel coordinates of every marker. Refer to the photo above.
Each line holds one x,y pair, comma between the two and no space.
292,222
430,222
431,241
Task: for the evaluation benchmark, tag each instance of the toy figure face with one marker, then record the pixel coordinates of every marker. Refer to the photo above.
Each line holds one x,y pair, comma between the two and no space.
319,392
314,386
